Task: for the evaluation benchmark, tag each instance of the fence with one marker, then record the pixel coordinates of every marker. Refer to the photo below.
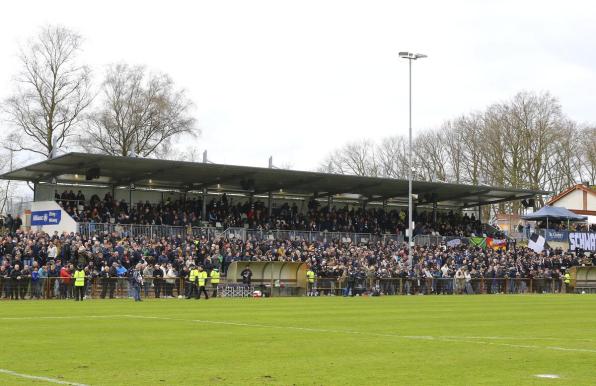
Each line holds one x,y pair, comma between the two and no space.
96,287
439,286
260,235
151,231
159,231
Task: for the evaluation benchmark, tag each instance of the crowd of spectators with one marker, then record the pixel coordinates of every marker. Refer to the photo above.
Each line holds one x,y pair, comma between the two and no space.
256,216
35,264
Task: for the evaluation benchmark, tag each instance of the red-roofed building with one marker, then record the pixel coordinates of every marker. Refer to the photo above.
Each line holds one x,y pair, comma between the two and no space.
580,199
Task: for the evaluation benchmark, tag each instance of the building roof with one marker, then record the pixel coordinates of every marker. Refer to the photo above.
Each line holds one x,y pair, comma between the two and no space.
569,190
149,173
554,213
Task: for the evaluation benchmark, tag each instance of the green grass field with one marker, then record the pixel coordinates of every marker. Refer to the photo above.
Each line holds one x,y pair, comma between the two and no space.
430,340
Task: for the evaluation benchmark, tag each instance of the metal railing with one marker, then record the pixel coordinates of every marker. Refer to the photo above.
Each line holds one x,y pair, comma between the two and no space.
439,286
310,236
120,287
428,240
159,231
151,231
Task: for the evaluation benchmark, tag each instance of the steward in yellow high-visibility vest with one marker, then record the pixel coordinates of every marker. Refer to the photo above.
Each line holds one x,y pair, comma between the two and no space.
192,278
310,277
567,281
214,276
202,278
79,284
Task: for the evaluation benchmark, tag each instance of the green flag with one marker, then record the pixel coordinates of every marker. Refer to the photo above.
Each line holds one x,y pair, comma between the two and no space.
478,242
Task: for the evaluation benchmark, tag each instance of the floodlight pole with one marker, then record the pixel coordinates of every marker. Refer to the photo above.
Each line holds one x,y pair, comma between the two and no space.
410,56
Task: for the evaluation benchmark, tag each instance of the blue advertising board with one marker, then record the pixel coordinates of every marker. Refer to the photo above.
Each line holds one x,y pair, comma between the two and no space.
554,235
45,217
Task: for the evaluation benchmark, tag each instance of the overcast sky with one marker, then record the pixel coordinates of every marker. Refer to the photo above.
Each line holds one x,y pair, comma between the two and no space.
295,79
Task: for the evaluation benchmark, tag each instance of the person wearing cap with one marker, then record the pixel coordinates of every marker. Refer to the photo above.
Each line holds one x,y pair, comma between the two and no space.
79,283
202,278
192,280
214,276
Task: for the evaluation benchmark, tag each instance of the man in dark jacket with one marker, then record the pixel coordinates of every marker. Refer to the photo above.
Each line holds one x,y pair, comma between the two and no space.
15,282
157,280
107,282
246,276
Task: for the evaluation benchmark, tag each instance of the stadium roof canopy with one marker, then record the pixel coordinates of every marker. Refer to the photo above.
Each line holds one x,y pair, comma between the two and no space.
116,171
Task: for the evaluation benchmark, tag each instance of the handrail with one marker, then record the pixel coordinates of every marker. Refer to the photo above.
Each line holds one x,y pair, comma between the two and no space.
153,231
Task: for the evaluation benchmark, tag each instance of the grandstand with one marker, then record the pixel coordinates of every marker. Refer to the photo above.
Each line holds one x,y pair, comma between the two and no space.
125,190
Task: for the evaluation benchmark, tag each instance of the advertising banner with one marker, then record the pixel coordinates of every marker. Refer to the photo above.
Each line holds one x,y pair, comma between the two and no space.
45,217
553,235
582,240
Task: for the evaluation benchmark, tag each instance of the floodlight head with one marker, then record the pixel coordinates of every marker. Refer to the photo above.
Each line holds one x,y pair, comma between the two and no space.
411,56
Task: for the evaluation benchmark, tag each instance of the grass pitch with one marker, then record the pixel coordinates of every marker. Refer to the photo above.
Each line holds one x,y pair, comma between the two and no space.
425,340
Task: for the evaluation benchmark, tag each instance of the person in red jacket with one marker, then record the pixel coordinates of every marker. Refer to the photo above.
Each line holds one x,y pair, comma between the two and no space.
65,281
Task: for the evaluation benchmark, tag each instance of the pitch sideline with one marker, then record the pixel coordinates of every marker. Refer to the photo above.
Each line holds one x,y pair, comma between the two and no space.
40,378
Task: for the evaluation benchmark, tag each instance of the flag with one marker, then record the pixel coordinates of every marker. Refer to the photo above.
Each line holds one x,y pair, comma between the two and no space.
453,243
496,244
537,243
478,242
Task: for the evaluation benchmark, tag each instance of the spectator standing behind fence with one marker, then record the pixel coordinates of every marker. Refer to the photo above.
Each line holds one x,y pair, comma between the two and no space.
25,280
170,279
4,282
79,283
122,288
147,279
158,275
105,279
137,282
15,282
35,284
64,282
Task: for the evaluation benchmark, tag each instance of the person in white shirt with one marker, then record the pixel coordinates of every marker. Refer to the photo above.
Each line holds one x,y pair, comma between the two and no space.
468,278
170,276
52,251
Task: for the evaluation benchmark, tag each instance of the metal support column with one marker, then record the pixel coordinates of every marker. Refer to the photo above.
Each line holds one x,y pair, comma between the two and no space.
270,195
204,195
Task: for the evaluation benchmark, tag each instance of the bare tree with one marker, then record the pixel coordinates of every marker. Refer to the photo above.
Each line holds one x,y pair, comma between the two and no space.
140,113
587,151
454,137
356,158
564,166
526,142
52,91
471,129
392,157
431,157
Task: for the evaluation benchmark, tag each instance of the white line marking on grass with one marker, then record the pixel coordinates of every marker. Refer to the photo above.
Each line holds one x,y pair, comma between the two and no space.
552,376
37,378
64,317
518,337
415,337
